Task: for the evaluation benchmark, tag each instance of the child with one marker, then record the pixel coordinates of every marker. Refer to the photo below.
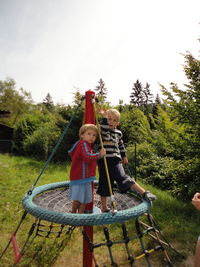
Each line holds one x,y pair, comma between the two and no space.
116,157
196,203
83,167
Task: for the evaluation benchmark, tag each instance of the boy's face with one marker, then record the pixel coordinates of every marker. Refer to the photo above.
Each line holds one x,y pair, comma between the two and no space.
89,136
113,121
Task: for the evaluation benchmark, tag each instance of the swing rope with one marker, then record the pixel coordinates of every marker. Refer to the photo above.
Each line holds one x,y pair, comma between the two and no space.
112,199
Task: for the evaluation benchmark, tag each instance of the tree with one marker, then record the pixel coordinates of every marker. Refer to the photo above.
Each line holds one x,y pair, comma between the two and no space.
77,96
137,97
17,102
101,91
155,106
140,96
135,126
48,102
185,103
147,95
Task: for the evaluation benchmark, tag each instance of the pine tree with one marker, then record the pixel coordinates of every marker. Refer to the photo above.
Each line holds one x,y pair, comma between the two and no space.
48,102
155,106
137,94
141,96
101,91
147,95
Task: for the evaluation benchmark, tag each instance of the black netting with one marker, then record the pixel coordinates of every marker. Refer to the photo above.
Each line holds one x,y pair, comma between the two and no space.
58,200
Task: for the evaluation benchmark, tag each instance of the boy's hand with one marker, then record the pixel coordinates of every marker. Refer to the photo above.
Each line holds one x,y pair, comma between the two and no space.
125,160
102,111
102,152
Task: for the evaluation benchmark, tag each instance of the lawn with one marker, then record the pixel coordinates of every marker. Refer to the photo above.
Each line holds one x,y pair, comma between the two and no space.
178,222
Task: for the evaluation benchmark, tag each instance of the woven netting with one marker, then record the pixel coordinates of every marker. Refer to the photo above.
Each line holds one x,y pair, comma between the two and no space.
51,203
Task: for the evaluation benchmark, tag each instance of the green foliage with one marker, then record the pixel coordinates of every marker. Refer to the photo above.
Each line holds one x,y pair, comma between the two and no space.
24,128
186,103
17,102
42,141
134,126
36,134
169,136
48,102
179,177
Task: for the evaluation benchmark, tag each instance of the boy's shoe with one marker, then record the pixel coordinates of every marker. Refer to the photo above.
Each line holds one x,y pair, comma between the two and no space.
148,196
107,210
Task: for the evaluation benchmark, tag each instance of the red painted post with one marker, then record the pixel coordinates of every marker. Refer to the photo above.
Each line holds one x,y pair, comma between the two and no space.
89,117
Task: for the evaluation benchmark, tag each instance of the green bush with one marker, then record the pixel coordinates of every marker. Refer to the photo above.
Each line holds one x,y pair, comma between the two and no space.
24,128
41,142
135,126
179,177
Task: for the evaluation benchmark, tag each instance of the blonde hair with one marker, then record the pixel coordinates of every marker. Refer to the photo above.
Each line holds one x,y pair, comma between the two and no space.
86,127
114,112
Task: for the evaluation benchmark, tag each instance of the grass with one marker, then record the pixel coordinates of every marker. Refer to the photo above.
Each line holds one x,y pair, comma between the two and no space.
178,221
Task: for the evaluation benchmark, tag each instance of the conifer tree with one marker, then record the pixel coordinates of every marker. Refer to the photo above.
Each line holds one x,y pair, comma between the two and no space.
140,96
48,102
101,91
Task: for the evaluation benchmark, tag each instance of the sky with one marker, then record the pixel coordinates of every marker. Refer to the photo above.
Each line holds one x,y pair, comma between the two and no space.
59,46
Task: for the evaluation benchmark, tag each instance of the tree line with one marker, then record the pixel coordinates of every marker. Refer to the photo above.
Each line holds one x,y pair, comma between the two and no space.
166,133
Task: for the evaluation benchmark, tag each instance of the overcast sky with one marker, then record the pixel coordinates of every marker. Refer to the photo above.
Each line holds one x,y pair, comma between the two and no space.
56,46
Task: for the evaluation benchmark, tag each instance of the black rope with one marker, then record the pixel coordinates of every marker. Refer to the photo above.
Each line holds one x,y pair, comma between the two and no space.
109,244
25,246
140,235
127,240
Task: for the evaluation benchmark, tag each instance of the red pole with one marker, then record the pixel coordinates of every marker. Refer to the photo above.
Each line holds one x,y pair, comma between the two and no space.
89,117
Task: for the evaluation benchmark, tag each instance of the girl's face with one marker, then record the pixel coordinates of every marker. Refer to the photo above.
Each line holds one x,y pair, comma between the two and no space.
89,136
113,122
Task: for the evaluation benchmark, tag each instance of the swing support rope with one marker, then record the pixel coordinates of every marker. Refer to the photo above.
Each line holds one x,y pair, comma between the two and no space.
113,205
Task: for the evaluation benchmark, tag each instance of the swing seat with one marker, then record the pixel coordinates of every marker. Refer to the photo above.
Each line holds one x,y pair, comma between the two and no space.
50,202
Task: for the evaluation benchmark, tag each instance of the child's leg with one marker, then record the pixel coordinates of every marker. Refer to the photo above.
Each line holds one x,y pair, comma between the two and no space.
138,188
81,208
145,194
75,206
104,206
197,254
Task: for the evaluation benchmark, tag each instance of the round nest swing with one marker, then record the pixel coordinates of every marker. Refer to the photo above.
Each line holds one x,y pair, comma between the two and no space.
50,202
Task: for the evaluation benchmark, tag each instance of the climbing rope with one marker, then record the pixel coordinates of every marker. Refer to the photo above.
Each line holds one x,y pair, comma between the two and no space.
112,198
141,232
